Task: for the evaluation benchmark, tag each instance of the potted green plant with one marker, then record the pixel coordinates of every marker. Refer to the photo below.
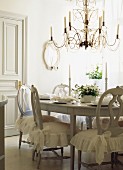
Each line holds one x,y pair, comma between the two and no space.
95,74
87,93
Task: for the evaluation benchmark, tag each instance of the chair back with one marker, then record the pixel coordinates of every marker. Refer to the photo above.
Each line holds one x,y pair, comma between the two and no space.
24,100
114,111
61,90
36,107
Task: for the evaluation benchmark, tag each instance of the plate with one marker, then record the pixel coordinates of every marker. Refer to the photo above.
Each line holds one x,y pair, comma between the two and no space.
44,99
103,105
57,102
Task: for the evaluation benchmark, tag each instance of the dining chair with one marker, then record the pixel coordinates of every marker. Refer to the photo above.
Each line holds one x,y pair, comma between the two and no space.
49,136
103,140
25,119
105,120
62,90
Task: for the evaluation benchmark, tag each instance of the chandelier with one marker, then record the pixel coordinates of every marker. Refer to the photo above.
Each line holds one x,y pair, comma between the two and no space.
93,31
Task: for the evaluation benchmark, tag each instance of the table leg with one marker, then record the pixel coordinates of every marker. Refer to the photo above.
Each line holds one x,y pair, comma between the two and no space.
48,113
72,148
90,122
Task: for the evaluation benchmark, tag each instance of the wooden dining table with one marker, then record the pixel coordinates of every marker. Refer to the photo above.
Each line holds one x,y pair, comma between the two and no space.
76,109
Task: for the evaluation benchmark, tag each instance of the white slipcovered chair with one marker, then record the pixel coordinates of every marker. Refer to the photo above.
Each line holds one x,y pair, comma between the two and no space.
62,90
105,120
51,135
104,139
25,119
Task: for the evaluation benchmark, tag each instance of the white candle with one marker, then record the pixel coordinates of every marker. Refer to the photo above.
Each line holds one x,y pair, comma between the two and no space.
100,22
118,29
85,2
51,31
69,72
64,22
103,15
104,4
106,70
69,16
103,10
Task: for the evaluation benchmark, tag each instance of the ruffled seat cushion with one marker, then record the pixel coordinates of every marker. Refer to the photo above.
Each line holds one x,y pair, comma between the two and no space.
25,123
89,141
66,118
53,134
104,121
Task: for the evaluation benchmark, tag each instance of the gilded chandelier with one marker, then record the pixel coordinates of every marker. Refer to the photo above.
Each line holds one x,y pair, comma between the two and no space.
86,36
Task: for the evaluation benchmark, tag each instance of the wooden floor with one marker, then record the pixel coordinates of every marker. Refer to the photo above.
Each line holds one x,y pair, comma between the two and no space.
21,159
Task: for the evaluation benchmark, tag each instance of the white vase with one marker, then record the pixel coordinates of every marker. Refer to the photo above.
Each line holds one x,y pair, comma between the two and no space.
88,99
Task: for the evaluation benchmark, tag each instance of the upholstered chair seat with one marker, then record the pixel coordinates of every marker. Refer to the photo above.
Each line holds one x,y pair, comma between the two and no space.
25,120
52,135
108,135
24,124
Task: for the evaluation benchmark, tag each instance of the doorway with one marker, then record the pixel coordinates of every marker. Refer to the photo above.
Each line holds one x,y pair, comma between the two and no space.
13,43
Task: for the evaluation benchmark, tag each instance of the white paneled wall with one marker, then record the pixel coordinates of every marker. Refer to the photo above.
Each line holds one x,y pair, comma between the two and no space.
45,13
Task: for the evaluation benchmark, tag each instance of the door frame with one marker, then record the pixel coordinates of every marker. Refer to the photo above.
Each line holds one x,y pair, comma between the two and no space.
24,19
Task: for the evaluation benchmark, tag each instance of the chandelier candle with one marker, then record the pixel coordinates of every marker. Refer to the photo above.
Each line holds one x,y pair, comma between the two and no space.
51,34
100,22
51,31
64,24
103,18
117,29
69,20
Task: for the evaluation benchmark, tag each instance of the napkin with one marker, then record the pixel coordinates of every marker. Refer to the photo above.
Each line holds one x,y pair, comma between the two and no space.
65,99
105,101
46,96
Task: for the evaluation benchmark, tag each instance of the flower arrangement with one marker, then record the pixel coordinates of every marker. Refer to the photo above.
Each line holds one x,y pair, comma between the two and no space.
95,74
86,90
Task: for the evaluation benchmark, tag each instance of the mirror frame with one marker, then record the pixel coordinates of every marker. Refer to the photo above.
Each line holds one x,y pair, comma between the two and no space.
55,65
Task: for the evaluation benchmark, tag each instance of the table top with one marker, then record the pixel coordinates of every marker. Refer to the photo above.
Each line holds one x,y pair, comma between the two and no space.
82,109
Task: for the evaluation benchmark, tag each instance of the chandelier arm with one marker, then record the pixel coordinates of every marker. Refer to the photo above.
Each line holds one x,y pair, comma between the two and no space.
110,46
55,44
76,34
73,42
93,36
92,12
79,12
113,43
87,36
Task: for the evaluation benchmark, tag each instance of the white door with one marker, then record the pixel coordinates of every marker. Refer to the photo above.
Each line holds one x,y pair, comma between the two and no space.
12,64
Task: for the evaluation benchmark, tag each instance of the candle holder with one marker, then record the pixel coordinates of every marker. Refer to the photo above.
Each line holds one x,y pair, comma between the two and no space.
69,86
86,13
106,83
